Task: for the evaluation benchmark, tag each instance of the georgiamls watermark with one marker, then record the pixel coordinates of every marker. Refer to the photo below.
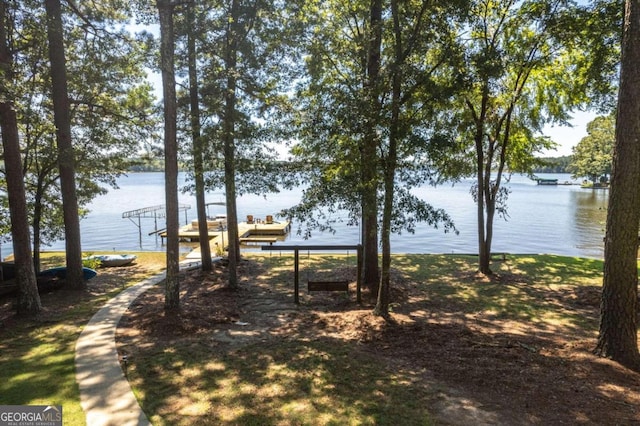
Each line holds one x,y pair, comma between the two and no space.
30,415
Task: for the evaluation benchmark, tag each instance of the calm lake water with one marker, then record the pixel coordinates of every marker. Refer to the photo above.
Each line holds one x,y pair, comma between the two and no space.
563,219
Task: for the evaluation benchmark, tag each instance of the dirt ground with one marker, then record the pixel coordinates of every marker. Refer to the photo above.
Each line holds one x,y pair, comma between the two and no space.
55,303
481,369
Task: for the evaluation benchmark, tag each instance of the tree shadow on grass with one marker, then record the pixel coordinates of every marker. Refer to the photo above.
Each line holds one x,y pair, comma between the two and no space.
458,348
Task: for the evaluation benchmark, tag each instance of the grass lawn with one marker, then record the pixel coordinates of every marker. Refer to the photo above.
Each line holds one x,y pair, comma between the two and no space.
37,355
459,348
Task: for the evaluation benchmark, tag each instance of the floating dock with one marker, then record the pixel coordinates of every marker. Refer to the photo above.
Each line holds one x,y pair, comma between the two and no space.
257,232
249,232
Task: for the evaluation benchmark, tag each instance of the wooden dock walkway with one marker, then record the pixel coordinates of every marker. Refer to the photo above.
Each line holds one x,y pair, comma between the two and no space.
245,230
257,232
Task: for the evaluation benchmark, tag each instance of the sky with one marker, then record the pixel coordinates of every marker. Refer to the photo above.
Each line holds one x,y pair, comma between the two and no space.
568,137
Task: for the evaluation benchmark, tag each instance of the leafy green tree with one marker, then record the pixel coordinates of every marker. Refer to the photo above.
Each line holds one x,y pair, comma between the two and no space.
167,64
618,334
66,154
553,164
28,297
109,116
385,93
593,155
522,71
339,109
245,52
418,88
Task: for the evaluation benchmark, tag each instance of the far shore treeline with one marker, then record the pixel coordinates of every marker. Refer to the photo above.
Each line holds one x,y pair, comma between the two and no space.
547,165
554,165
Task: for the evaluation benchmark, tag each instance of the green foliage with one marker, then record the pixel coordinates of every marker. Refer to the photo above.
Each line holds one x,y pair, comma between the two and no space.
91,262
147,164
593,156
523,69
340,111
516,67
5,222
302,78
594,35
553,165
263,35
111,104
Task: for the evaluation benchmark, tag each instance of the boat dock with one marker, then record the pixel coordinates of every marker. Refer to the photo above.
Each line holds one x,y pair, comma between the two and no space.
154,212
249,232
257,232
253,231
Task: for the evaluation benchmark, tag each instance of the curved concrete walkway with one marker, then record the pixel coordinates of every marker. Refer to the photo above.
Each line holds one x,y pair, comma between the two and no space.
105,394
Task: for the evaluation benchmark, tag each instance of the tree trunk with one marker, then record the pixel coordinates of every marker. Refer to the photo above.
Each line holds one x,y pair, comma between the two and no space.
198,148
28,297
28,302
490,212
37,220
384,290
369,161
43,180
172,289
370,272
484,253
617,337
66,157
229,147
382,305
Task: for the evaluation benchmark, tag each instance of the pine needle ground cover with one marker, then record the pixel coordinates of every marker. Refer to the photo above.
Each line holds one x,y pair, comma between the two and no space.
457,348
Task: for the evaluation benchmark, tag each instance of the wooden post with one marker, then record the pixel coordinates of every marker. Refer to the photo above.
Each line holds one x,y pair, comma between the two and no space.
358,273
296,282
296,250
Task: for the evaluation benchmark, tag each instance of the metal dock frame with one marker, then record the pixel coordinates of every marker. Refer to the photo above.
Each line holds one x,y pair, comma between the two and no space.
155,212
